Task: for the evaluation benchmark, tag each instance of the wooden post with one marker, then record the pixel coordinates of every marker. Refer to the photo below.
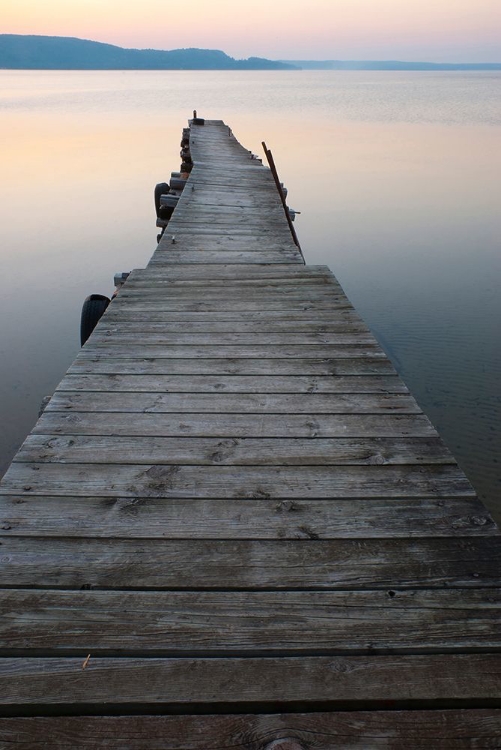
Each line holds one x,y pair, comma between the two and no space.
271,162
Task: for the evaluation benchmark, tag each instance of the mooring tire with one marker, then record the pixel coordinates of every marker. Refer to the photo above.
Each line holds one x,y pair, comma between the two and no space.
92,310
160,189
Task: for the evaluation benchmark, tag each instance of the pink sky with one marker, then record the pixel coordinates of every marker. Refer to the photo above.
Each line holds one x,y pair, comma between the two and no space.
435,30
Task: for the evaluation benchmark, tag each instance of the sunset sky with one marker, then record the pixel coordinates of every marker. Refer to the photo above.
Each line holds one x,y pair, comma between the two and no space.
434,30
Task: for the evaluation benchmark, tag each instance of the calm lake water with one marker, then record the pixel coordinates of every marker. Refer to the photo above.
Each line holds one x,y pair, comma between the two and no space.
397,176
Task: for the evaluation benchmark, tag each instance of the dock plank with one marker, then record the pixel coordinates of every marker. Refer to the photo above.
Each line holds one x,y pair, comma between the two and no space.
234,452
292,482
148,383
237,403
441,729
238,624
234,425
315,351
233,565
254,518
309,682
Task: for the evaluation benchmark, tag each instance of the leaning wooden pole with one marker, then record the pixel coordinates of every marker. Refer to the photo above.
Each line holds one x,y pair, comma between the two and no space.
274,172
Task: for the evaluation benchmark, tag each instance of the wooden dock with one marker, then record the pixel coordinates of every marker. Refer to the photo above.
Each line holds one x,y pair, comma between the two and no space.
233,526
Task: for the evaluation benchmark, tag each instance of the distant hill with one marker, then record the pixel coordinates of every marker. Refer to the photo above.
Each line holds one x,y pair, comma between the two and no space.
68,53
387,65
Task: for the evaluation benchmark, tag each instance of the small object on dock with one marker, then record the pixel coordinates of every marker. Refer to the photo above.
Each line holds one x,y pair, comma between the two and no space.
120,278
173,240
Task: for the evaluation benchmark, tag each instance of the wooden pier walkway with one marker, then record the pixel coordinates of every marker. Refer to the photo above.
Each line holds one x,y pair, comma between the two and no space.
233,526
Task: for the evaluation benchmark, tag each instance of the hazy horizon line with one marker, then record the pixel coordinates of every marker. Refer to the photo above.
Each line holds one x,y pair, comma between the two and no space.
290,60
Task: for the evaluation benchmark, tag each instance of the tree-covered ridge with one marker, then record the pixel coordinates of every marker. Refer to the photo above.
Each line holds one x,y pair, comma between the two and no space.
68,53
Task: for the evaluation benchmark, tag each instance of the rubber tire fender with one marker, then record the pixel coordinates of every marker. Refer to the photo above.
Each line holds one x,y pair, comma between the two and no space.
92,311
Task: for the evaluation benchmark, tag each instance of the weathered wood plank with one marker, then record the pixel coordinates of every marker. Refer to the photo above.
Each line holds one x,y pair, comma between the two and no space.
294,482
231,220
267,317
389,730
100,363
242,305
253,403
233,292
238,280
223,257
320,351
142,323
231,236
185,272
347,681
223,624
234,452
262,249
243,519
232,383
235,425
232,565
106,336
233,231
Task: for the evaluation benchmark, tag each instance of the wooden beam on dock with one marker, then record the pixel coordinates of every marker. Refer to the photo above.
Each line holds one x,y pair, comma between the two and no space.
233,526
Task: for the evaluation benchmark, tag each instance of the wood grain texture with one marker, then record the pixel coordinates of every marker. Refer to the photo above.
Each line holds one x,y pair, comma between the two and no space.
234,452
348,730
316,351
269,317
255,518
238,281
250,623
233,295
185,272
139,383
115,337
288,482
234,403
297,326
251,303
233,565
306,682
343,365
223,257
235,425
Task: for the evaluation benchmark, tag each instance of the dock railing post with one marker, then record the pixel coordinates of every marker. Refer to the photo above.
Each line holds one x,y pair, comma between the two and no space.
271,162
